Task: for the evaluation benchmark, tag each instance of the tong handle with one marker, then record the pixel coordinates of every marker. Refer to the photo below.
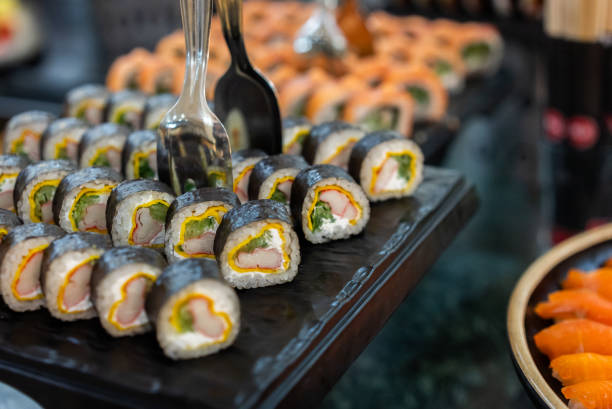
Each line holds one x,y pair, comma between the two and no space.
230,14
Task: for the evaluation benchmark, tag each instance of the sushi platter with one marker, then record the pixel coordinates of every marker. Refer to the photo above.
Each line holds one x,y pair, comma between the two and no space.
572,269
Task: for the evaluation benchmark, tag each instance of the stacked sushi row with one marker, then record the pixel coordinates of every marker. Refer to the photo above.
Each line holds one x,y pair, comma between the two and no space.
579,344
416,63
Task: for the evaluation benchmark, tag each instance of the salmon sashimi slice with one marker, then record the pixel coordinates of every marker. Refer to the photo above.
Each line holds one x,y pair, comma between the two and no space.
587,366
203,244
589,395
133,303
574,336
264,258
205,321
578,303
28,283
599,281
339,204
77,288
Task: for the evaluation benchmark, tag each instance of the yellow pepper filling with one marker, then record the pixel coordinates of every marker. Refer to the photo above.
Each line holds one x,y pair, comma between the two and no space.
376,170
245,245
60,295
112,312
24,262
3,232
182,319
100,158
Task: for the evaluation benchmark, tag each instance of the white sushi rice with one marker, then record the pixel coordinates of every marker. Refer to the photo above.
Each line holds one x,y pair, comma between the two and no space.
55,277
340,228
116,141
256,279
397,187
23,202
329,147
10,263
194,344
69,199
173,233
122,222
74,134
108,292
266,188
146,149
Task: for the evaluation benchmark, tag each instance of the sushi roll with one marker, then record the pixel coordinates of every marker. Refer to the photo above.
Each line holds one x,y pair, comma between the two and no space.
172,46
139,157
273,176
155,109
447,65
295,131
383,108
23,131
10,166
21,255
8,220
194,311
157,76
386,165
328,204
331,143
66,273
80,200
102,145
124,72
120,281
256,245
87,103
136,212
61,139
481,48
243,163
328,101
35,187
126,108
294,95
192,222
426,88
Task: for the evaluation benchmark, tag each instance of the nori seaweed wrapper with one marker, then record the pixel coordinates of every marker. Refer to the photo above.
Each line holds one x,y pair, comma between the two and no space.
9,219
267,166
204,194
306,179
79,178
319,133
244,154
133,143
365,145
14,161
293,121
249,212
128,188
72,242
154,103
176,277
118,257
98,132
60,126
30,172
26,232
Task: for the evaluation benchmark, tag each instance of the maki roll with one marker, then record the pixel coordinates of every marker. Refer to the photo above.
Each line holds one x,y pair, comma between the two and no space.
23,131
446,63
194,311
481,48
295,131
121,280
8,220
386,165
256,245
295,93
327,204
61,139
21,255
126,108
273,176
80,200
155,109
35,188
327,102
87,103
157,75
102,146
136,212
192,222
139,157
243,163
124,72
10,166
66,273
331,143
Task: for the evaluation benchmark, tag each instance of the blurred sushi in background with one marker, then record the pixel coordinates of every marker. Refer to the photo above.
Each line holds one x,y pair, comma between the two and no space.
23,131
10,166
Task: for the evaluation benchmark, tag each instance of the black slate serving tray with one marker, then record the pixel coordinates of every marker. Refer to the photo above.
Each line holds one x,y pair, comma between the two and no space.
296,339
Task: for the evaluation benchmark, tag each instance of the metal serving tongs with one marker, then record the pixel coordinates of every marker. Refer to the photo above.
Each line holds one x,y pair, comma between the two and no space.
193,148
320,34
245,100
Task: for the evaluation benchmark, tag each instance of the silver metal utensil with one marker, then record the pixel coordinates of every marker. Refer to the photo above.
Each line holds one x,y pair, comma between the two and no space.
320,34
193,148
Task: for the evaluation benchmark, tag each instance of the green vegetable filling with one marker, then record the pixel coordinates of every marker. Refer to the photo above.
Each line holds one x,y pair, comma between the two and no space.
279,196
383,118
101,160
260,242
320,214
62,153
158,212
122,118
184,318
476,52
84,202
405,161
195,228
442,68
42,196
81,112
189,185
19,149
144,169
420,94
